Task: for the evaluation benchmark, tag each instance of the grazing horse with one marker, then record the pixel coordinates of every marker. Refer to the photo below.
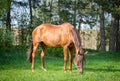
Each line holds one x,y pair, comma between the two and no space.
65,36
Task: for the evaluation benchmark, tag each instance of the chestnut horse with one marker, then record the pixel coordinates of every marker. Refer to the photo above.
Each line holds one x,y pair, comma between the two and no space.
65,36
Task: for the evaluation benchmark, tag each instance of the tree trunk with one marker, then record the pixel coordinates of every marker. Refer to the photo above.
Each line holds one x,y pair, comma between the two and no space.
8,21
113,29
50,8
59,12
102,31
114,44
30,7
74,21
79,26
117,36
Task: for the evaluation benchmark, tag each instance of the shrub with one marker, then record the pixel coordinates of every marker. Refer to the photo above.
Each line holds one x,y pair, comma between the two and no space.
6,39
58,52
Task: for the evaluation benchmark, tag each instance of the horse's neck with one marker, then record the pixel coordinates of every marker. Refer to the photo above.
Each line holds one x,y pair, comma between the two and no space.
77,42
78,48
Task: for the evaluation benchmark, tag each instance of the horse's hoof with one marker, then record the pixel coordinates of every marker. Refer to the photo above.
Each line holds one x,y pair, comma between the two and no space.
32,70
64,71
70,71
44,69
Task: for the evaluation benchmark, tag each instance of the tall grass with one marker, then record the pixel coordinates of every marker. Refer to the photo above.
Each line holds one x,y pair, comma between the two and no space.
98,67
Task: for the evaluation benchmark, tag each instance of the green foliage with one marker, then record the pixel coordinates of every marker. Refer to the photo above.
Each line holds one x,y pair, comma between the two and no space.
6,39
58,52
42,14
62,12
98,67
3,6
111,6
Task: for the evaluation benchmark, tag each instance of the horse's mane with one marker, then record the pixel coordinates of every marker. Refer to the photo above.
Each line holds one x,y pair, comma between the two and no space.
76,40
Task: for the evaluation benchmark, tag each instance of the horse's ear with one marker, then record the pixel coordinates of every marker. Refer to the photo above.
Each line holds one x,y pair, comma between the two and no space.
85,52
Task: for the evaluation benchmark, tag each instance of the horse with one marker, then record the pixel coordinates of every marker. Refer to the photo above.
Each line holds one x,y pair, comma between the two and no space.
64,36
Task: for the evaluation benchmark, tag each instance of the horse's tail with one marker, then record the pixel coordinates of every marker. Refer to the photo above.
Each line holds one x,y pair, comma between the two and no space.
30,50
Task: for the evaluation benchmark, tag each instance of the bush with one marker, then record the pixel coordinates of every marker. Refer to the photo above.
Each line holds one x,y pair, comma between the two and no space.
58,52
6,39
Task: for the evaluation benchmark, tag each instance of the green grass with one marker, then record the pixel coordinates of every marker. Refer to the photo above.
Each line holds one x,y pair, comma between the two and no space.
98,67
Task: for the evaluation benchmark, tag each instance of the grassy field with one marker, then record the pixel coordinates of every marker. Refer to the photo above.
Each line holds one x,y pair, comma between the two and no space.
98,67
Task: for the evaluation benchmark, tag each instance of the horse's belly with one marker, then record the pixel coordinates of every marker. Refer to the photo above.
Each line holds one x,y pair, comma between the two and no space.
56,43
52,44
52,41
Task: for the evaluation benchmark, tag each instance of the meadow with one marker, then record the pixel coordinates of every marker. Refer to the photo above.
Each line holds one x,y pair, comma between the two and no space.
98,67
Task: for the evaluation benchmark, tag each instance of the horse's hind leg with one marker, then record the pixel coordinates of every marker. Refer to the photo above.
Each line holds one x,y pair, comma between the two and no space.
42,56
35,45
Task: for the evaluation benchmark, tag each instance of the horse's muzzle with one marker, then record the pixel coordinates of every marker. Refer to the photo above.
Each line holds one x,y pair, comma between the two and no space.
80,71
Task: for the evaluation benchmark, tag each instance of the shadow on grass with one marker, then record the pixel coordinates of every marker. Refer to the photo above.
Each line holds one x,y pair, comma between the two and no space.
102,69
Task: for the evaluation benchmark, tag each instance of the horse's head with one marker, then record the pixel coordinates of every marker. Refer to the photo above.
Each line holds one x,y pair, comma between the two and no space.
79,62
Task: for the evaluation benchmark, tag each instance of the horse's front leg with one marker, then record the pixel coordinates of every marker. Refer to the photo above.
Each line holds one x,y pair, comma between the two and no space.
71,57
42,57
35,45
65,49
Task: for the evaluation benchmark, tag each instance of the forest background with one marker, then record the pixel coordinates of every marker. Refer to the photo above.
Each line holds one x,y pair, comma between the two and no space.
19,17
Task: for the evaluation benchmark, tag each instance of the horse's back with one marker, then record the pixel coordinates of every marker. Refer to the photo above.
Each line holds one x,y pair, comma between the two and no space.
63,28
52,26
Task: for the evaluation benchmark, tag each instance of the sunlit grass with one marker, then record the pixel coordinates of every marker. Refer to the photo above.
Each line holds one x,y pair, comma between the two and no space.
98,67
